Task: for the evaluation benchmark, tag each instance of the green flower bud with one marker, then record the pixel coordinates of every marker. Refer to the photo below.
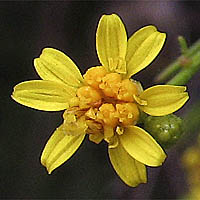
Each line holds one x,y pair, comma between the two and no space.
166,130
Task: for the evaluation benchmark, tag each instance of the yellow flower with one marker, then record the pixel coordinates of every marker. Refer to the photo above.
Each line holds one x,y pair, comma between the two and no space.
105,103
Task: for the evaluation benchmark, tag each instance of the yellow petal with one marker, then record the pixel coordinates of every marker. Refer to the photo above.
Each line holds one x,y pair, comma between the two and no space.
129,170
56,66
96,138
59,148
141,146
43,95
163,99
111,43
143,46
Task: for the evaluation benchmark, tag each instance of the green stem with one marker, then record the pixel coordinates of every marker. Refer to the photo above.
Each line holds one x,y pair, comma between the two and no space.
183,44
187,72
193,49
168,72
178,63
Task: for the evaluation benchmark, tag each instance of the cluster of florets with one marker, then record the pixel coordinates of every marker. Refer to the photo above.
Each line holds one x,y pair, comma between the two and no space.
106,101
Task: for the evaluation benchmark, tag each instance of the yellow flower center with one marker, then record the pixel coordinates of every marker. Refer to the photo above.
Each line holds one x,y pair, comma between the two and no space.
88,97
110,84
106,103
108,115
94,76
128,113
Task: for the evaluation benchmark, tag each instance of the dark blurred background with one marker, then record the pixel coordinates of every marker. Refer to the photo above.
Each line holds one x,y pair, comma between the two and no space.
25,29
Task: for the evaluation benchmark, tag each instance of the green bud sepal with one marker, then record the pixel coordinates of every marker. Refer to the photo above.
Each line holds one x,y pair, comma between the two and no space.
166,130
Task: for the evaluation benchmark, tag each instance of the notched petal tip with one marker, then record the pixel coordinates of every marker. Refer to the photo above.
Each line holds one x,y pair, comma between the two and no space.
54,65
129,170
143,47
59,148
43,95
163,99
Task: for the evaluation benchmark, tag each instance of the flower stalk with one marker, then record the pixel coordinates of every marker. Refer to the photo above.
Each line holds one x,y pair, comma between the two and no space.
184,67
183,44
187,73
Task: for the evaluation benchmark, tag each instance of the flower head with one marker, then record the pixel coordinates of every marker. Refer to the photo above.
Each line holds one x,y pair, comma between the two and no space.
104,103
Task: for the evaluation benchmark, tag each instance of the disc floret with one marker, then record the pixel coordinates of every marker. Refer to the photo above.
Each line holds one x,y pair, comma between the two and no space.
106,102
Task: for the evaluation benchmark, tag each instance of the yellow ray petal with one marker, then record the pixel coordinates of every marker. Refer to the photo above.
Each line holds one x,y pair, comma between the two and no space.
143,46
43,95
60,148
56,66
141,146
135,41
111,43
163,99
129,170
